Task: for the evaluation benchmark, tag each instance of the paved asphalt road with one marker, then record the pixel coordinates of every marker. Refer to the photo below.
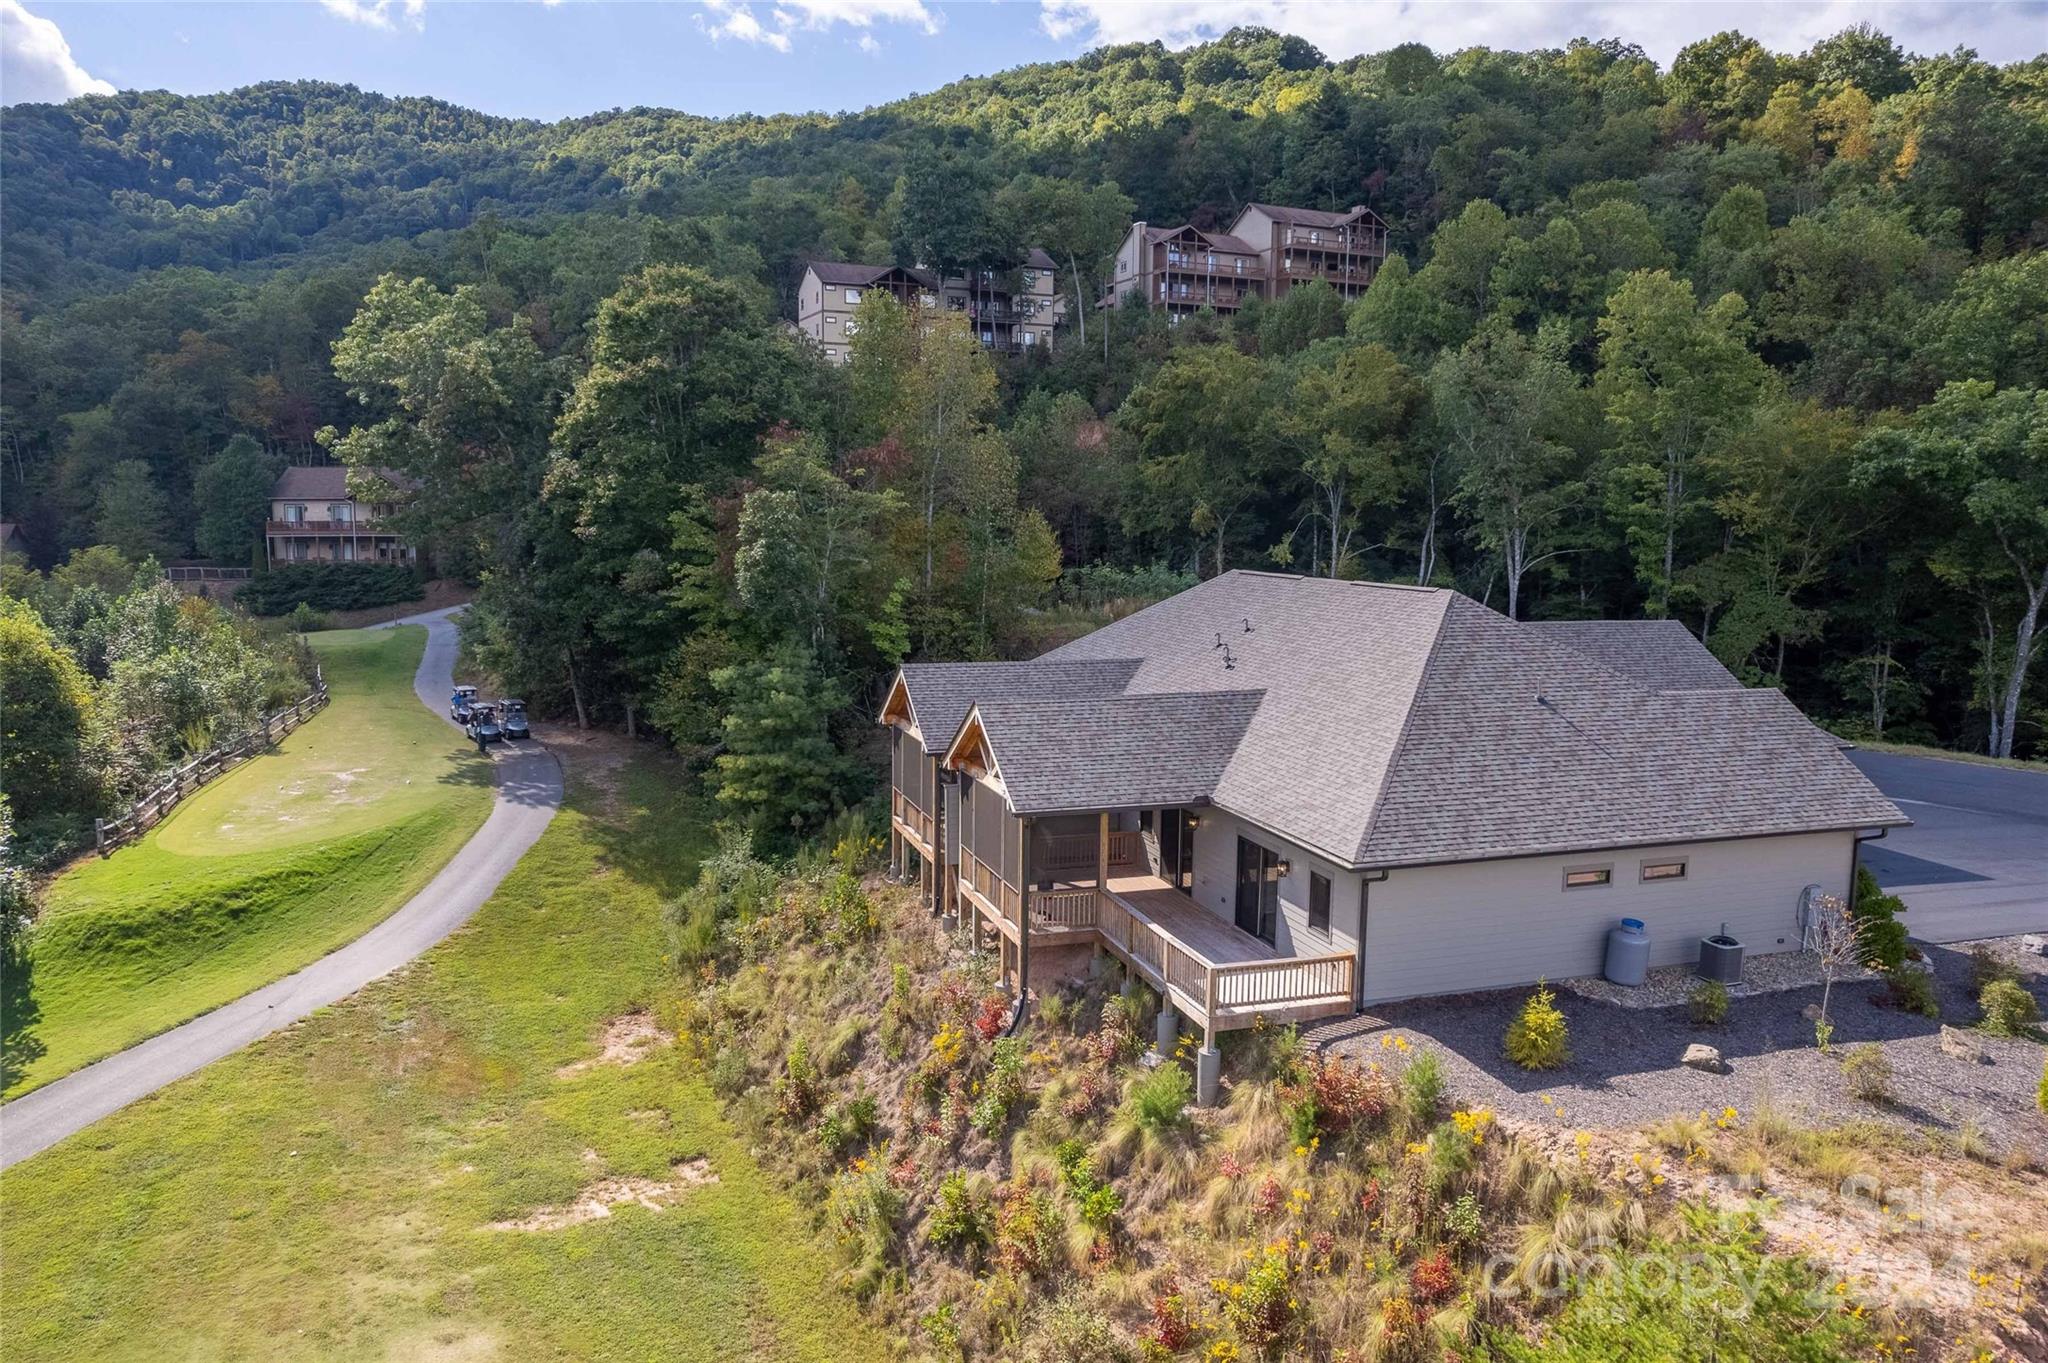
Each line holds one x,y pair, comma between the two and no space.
529,789
1975,862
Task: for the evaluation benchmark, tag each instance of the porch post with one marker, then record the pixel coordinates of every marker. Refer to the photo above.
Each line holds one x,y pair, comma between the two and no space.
1024,914
1102,855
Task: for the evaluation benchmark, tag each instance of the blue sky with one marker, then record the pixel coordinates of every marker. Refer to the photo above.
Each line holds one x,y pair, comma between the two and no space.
539,59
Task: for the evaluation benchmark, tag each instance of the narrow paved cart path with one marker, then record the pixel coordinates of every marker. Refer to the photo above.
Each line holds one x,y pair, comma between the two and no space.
528,785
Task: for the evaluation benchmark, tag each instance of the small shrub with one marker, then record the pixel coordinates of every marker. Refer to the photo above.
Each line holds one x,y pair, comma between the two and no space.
1869,1073
1434,1277
1172,1327
1986,966
1536,1038
796,1093
1912,991
991,1016
1331,1096
849,914
1028,1230
960,1219
1260,1307
848,1126
1002,1089
1882,935
1159,1100
1071,1332
729,1077
1422,1087
1462,1221
2041,1093
2009,1010
1708,1003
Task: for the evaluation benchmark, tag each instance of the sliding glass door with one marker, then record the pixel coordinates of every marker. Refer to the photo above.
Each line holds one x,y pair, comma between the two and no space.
1258,891
1177,849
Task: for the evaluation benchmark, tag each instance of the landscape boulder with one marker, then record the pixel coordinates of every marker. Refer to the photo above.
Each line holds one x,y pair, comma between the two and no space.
1702,1057
2035,942
1960,1044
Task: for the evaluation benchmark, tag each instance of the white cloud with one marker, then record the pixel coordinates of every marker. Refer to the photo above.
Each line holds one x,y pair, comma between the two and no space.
786,18
379,13
1999,31
867,44
36,65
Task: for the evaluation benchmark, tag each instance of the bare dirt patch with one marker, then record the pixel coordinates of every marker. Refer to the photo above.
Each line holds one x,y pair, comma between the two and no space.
596,1201
626,1040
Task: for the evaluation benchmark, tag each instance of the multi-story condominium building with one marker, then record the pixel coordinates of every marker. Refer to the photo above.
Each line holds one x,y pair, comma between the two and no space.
313,519
1267,251
1004,320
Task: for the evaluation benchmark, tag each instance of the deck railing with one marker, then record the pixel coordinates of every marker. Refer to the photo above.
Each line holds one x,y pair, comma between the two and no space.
914,820
999,894
1220,997
1078,851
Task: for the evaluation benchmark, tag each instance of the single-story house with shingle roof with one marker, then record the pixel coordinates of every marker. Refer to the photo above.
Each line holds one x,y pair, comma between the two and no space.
1287,797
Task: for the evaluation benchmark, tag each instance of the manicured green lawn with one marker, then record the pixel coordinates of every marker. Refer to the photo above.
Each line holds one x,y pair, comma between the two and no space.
292,854
327,1193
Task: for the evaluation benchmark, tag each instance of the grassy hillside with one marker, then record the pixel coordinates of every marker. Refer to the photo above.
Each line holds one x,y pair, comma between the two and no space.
281,861
328,1193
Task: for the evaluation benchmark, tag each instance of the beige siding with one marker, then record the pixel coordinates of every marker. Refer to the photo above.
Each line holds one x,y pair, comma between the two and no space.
1216,886
1447,929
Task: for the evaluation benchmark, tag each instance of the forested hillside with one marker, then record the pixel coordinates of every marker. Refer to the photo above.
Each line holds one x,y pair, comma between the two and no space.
1757,341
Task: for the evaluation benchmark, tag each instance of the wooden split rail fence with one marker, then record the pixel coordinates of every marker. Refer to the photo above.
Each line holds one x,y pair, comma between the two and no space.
150,807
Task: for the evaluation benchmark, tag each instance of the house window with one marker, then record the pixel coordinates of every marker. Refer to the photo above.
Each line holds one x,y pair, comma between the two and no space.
1319,903
853,295
1030,338
1030,278
295,514
1587,877
830,353
852,328
1663,870
340,512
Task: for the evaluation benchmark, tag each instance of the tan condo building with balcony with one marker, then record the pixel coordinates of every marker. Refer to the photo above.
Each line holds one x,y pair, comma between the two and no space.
314,519
1005,320
1267,251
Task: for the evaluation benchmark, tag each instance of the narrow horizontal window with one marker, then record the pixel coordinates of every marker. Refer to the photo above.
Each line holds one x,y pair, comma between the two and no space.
1663,870
1586,877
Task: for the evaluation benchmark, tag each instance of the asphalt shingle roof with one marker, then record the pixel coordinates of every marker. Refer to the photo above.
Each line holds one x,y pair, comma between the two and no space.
1222,241
941,694
1658,653
1398,725
1311,217
1117,752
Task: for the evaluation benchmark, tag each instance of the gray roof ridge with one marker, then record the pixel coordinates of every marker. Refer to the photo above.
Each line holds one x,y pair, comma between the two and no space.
1401,743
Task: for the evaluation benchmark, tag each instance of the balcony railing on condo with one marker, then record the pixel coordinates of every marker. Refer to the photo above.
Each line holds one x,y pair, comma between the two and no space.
1368,240
325,528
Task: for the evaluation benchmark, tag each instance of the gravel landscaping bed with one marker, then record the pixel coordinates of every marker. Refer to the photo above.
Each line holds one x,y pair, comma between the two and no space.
1624,1069
1671,985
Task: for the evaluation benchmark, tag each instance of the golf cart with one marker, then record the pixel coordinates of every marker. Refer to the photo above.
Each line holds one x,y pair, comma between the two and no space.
512,719
460,702
483,725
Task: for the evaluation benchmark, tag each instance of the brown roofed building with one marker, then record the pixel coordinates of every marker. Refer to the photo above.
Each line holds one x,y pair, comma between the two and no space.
315,519
1004,319
1270,249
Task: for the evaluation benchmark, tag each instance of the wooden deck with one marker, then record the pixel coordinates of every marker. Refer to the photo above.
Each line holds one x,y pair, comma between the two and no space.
1217,976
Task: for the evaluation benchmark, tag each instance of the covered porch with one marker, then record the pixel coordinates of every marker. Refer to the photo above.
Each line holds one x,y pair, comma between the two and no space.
1214,975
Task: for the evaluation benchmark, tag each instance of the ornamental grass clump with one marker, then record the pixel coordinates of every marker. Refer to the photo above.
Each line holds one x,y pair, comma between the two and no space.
1536,1038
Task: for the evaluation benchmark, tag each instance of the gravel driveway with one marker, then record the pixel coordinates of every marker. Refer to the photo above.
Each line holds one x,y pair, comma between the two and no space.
1624,1069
